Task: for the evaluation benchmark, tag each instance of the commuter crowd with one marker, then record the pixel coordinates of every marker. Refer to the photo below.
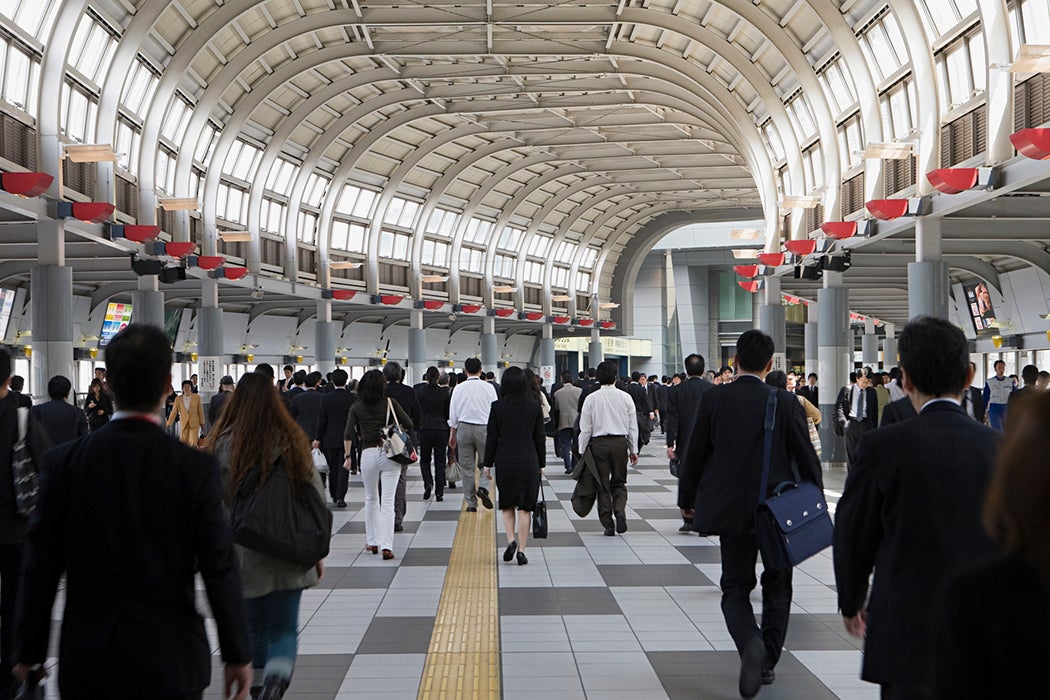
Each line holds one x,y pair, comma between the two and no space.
941,558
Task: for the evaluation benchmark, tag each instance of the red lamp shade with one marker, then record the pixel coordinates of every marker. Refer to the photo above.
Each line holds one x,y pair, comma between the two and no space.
771,259
504,313
803,246
750,285
92,212
470,308
26,184
746,270
209,262
1031,143
585,321
178,249
533,315
141,234
560,319
343,294
608,324
391,299
887,209
234,273
840,230
432,304
952,180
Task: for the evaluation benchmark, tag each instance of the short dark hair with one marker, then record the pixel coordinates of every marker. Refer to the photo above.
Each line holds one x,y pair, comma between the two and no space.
852,377
139,363
339,377
778,379
592,372
265,368
725,369
313,379
934,355
193,375
566,377
18,383
59,387
5,365
489,376
895,372
635,376
392,372
432,375
754,350
472,365
812,375
187,383
999,362
1029,374
606,372
299,377
514,385
289,368
372,387
694,365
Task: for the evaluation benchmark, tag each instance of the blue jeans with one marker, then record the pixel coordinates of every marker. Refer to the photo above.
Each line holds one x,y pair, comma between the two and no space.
565,440
996,415
273,620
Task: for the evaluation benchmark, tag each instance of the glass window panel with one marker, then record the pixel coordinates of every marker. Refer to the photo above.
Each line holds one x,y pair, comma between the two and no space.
773,142
363,205
440,254
901,114
16,79
207,140
540,245
356,238
393,211
401,246
138,89
222,196
33,16
315,190
275,219
92,48
408,214
939,16
978,62
244,163
280,177
583,281
340,231
957,65
176,119
308,227
165,171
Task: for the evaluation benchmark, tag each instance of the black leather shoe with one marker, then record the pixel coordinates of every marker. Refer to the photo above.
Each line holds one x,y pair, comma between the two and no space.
751,668
686,528
483,496
273,688
508,553
398,527
426,494
768,676
452,484
610,532
439,497
621,523
472,509
522,559
340,504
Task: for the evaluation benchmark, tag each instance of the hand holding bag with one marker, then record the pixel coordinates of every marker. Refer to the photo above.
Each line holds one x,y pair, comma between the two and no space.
794,524
452,474
539,516
320,462
396,442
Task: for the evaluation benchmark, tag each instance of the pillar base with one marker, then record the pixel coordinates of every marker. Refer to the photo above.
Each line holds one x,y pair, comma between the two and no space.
928,289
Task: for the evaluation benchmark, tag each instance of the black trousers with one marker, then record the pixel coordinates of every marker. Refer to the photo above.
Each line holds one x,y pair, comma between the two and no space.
905,692
10,566
854,430
739,554
432,447
610,458
338,478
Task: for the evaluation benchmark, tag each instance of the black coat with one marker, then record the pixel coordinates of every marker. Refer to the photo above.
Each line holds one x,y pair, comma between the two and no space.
215,406
129,514
910,511
306,409
640,397
515,434
811,394
61,421
92,406
722,468
406,397
331,422
871,412
897,411
682,402
434,403
977,398
13,525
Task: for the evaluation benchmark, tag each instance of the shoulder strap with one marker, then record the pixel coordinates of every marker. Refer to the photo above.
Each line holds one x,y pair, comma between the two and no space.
391,412
767,449
23,422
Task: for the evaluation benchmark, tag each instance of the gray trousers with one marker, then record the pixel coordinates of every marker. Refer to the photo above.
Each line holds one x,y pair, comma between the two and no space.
470,439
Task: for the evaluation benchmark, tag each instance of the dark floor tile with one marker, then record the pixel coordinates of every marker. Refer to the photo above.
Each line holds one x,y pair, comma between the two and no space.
397,635
557,539
367,577
446,515
426,556
558,601
646,488
701,555
528,601
357,527
592,524
622,575
714,675
658,513
587,601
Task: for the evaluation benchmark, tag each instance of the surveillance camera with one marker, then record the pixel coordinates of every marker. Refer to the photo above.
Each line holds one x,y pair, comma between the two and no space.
257,293
452,317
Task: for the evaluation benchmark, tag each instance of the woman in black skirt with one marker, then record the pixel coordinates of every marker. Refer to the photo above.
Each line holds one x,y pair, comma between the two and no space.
515,445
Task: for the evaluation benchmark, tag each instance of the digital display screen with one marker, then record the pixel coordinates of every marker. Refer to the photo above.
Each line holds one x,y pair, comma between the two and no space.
979,302
7,305
117,317
172,319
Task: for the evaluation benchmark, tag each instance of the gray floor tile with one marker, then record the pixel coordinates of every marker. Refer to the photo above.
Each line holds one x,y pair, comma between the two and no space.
702,555
616,575
367,577
397,635
426,556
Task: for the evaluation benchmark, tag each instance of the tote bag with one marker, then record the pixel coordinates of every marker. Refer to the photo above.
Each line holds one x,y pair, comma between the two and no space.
395,441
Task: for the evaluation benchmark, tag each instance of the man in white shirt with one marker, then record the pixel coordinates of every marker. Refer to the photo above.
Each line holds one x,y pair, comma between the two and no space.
468,420
609,427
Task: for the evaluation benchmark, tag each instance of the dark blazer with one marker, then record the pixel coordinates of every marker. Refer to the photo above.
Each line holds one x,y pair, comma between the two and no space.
911,511
515,434
641,398
61,421
682,403
292,392
128,514
588,389
722,468
306,409
215,406
405,396
811,394
992,632
897,411
13,525
977,398
434,403
331,421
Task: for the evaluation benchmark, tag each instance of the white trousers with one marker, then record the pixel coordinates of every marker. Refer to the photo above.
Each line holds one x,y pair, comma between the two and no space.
379,512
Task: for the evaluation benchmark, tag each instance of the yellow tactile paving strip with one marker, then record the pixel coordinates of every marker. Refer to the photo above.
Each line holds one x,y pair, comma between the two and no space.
463,660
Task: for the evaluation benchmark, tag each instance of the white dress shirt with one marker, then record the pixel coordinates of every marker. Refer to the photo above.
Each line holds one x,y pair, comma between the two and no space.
608,411
471,402
896,392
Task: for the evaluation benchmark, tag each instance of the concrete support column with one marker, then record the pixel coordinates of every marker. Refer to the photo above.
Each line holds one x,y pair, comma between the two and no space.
889,347
869,345
928,275
547,346
50,290
595,354
148,302
417,348
324,337
811,339
835,360
209,321
772,319
489,354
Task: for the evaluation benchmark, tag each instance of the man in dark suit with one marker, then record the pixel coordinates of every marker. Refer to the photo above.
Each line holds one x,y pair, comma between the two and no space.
809,391
682,402
973,400
298,382
911,511
720,479
129,514
331,422
61,421
897,411
642,408
218,402
406,398
16,387
306,405
860,407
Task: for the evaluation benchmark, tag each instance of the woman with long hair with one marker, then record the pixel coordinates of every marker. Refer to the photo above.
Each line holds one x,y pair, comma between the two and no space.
256,435
98,406
992,630
516,446
369,414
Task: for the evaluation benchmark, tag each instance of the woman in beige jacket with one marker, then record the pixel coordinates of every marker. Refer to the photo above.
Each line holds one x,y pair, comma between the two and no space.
190,413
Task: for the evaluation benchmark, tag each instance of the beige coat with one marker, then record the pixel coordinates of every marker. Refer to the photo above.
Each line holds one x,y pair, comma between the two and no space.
191,419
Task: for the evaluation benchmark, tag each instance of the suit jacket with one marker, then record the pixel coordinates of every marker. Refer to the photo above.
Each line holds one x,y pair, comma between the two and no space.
190,418
588,388
406,397
433,406
641,398
292,392
61,421
682,402
128,514
871,411
722,468
811,394
215,406
306,409
977,398
911,510
897,411
515,434
331,421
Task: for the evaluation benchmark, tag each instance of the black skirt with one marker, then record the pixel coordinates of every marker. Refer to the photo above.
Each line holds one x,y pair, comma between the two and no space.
518,484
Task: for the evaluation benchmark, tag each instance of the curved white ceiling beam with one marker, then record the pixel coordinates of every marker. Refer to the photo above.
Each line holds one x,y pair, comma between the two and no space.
999,95
927,91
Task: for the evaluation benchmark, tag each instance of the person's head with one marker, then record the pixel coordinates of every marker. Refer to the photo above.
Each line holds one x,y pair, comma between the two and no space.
515,385
812,378
193,379
566,377
725,374
100,373
444,379
140,359
1017,504
864,377
472,366
17,383
95,387
592,373
187,387
299,378
431,376
58,388
288,370
392,372
934,358
265,369
1029,375
255,420
852,377
226,384
532,382
371,389
606,372
5,370
895,373
754,352
1000,368
777,378
653,378
582,374
676,380
1043,380
694,365
490,376
351,384
339,377
790,381
313,379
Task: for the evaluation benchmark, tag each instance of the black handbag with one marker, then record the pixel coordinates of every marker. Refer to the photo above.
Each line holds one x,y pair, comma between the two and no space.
396,442
539,517
23,470
794,524
294,526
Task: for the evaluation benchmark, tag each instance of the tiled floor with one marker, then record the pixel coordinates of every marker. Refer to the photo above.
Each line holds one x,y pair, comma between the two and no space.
633,616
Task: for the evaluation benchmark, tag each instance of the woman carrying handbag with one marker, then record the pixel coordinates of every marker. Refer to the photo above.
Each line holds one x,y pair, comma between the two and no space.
255,437
516,445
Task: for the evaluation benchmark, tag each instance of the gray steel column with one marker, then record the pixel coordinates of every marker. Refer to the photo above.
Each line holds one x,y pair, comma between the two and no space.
51,294
889,348
835,358
547,346
812,341
595,354
489,355
324,337
417,348
147,303
209,321
869,345
928,275
772,318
